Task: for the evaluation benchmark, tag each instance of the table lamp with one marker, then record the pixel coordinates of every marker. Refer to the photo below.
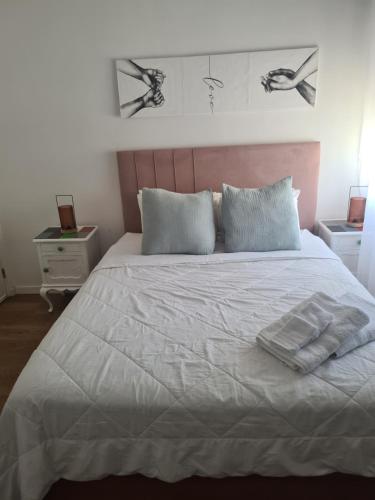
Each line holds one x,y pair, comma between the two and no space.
356,208
65,207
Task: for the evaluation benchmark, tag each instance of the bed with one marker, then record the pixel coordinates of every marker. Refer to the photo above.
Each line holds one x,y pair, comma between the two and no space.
153,367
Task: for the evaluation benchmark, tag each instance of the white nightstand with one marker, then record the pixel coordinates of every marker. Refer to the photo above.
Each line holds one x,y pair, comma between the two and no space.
66,260
344,240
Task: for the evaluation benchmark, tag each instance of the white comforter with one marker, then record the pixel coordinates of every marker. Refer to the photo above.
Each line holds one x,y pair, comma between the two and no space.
153,368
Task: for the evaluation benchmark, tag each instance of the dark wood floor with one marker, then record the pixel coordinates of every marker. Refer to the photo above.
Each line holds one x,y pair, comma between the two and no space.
332,487
24,320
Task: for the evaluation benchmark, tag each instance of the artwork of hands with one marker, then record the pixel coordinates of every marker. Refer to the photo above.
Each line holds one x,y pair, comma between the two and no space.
153,78
285,73
279,79
287,79
153,98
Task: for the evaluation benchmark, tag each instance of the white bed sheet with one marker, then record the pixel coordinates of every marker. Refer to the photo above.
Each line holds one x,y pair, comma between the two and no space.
153,368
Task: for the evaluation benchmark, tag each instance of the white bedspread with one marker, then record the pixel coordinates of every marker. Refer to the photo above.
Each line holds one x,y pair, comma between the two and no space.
153,368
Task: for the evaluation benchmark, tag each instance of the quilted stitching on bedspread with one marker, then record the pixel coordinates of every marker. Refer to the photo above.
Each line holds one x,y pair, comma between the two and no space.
206,380
170,353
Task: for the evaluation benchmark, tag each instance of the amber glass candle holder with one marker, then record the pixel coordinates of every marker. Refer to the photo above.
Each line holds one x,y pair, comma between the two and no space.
356,207
65,207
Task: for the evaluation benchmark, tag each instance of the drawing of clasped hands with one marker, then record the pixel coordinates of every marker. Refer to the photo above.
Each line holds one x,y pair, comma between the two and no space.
280,79
153,78
287,79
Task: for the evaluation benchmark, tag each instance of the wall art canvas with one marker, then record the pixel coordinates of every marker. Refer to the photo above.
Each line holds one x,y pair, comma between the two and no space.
219,83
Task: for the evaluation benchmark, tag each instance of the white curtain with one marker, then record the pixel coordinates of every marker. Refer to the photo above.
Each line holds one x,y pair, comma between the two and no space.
366,267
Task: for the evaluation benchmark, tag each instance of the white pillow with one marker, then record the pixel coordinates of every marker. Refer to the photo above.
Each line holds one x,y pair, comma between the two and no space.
217,210
139,199
216,198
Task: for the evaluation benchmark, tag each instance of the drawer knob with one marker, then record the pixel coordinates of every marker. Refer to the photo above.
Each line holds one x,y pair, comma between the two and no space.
358,242
45,269
60,249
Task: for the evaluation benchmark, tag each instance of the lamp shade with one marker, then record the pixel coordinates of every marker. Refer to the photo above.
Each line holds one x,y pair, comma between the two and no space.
356,209
65,207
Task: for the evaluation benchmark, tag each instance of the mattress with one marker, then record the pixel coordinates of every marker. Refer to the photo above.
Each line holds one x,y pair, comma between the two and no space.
153,368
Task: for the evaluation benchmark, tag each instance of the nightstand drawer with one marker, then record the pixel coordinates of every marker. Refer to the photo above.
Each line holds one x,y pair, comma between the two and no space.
350,243
63,269
60,248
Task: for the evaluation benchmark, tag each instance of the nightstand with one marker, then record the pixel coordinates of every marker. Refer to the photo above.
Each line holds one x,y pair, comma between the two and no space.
66,260
342,239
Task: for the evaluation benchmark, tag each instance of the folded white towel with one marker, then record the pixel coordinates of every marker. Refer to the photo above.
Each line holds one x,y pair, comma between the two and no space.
303,324
363,336
346,321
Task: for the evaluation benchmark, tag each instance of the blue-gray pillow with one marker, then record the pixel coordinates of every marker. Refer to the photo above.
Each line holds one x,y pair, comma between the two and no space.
260,220
177,223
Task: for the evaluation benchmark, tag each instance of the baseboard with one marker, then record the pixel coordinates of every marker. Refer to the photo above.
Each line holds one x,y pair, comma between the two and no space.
11,290
27,289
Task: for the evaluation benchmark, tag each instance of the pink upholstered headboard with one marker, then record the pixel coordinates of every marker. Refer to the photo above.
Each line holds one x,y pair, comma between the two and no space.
188,170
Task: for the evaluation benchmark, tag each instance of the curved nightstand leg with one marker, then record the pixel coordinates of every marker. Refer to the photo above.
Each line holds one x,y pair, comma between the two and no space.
44,295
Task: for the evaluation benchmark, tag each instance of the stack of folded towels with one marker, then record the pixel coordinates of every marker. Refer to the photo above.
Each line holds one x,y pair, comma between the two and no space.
319,328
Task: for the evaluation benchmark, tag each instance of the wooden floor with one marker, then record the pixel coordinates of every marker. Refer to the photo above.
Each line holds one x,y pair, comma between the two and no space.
332,487
24,320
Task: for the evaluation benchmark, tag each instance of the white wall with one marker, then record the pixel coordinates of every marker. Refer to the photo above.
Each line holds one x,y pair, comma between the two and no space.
367,145
59,121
